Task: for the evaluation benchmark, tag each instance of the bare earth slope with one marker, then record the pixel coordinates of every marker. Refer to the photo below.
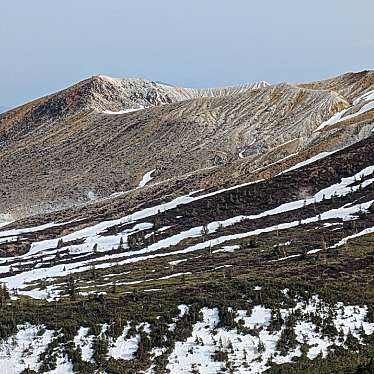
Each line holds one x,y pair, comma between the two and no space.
85,142
350,85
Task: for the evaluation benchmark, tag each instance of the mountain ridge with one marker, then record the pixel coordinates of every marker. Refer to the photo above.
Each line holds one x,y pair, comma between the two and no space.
238,131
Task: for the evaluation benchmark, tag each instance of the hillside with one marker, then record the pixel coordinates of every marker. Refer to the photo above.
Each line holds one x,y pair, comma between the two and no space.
241,256
88,142
228,232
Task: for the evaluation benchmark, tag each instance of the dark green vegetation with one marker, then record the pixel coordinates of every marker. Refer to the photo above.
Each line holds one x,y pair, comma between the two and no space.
347,276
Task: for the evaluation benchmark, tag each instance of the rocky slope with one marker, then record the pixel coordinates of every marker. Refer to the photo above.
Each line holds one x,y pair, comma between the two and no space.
349,85
103,94
88,141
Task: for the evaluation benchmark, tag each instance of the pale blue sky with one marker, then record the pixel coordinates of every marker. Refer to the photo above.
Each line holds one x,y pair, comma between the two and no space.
47,45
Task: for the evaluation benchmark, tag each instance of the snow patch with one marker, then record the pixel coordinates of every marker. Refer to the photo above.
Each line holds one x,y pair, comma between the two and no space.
146,178
122,111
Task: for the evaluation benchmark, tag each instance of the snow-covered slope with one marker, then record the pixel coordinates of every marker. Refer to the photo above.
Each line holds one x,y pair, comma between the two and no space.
104,237
251,344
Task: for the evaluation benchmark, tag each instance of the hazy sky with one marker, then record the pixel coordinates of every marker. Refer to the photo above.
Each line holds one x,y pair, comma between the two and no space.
47,45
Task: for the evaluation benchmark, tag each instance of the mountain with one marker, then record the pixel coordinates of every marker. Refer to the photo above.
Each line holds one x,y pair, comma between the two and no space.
89,141
108,95
226,230
59,129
